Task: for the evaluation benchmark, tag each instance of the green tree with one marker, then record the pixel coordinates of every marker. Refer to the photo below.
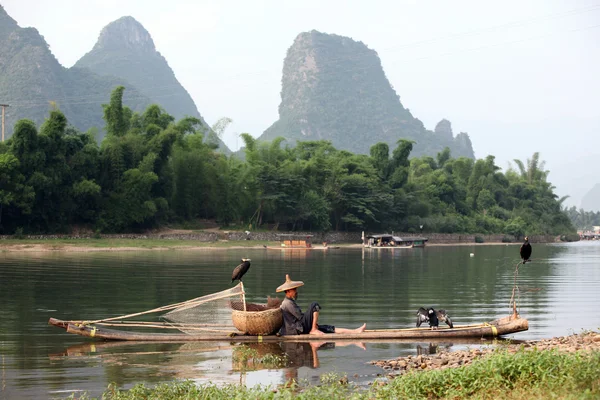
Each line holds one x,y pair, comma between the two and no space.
15,197
117,116
485,201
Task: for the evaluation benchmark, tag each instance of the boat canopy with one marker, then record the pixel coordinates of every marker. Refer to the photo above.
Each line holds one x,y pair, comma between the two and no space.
387,239
295,240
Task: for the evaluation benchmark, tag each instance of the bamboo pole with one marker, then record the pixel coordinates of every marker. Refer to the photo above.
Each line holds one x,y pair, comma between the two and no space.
158,324
243,295
178,327
490,331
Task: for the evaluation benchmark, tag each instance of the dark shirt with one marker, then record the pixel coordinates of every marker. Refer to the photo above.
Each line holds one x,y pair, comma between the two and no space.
292,317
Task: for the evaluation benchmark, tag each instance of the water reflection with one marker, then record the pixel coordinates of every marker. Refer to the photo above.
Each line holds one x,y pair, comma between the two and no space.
381,288
250,364
286,356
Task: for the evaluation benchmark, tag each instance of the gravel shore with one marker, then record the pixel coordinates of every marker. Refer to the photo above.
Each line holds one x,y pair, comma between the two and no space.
586,341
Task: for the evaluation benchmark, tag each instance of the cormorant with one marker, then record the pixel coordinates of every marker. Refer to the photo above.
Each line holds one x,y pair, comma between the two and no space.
422,316
525,250
442,315
434,323
433,317
240,270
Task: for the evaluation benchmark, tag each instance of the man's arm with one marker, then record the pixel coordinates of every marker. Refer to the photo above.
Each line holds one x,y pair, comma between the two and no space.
292,308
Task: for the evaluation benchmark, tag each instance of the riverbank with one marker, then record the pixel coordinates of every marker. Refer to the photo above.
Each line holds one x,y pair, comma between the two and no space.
103,245
168,239
442,359
93,245
558,368
97,245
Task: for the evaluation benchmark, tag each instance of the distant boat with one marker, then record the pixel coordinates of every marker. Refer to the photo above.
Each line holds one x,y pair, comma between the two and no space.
290,241
383,241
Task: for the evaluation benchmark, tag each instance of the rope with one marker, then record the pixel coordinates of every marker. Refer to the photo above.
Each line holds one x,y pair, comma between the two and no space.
515,290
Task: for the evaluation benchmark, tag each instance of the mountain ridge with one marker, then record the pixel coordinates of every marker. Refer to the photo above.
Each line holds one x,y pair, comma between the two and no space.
125,49
335,88
32,81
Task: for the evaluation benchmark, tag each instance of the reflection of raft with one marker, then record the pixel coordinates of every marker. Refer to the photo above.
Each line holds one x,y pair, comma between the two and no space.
502,326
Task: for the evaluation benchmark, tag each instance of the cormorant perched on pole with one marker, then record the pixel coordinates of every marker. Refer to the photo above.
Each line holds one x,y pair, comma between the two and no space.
240,270
525,250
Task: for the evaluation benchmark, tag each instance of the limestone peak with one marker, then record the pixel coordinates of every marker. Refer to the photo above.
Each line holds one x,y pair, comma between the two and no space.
127,33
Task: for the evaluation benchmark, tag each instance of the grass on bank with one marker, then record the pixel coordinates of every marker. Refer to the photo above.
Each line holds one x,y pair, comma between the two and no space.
527,374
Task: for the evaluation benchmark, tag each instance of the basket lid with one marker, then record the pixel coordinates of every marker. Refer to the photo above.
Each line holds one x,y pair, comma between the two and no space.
289,284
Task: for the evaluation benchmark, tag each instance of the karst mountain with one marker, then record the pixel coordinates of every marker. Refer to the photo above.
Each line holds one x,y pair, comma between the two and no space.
32,81
334,88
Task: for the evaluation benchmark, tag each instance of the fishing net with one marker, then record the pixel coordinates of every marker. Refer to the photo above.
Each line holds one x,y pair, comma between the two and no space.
225,312
206,314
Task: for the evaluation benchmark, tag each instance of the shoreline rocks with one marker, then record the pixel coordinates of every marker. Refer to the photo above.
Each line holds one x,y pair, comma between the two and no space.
442,359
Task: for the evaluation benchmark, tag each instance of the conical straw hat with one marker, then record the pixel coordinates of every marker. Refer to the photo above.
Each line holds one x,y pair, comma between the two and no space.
289,284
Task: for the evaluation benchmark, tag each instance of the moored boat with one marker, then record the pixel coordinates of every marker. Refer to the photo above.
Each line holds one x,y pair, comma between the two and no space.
386,241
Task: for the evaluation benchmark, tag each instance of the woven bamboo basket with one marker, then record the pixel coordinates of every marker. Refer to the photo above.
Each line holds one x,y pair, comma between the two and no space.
258,319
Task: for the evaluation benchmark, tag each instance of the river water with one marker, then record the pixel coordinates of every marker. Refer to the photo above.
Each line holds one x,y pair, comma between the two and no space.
559,295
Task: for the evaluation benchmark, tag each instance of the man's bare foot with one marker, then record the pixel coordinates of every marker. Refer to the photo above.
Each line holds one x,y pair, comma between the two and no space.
315,332
361,328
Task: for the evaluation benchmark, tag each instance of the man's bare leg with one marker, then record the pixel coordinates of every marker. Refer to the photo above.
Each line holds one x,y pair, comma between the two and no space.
314,347
357,344
357,330
315,329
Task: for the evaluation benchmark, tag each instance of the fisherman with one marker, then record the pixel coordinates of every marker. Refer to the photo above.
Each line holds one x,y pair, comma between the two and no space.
296,323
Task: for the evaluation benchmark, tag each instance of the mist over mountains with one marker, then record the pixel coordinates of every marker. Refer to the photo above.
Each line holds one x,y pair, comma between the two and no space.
591,200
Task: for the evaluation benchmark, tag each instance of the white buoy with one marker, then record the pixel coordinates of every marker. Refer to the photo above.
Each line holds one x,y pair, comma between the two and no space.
472,255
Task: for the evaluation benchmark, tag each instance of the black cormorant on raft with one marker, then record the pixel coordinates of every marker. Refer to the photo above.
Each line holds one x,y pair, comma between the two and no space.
241,270
433,317
525,250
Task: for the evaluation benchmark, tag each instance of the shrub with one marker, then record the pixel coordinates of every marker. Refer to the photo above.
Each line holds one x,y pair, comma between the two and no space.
18,233
570,237
479,239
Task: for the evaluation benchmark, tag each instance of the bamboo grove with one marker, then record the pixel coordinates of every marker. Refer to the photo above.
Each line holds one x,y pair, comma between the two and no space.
150,171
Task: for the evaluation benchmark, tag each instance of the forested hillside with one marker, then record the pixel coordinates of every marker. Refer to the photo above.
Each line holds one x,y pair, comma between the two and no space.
32,80
152,170
582,219
125,49
334,88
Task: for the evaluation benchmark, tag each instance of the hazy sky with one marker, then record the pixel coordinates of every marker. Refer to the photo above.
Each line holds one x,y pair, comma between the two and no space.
518,76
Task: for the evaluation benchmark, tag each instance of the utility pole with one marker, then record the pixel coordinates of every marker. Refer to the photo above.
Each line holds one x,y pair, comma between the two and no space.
3,107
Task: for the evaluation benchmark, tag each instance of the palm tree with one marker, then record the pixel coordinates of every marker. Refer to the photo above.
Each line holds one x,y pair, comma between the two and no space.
535,169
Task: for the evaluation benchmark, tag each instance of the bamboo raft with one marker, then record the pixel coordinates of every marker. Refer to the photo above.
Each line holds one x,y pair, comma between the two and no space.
499,327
